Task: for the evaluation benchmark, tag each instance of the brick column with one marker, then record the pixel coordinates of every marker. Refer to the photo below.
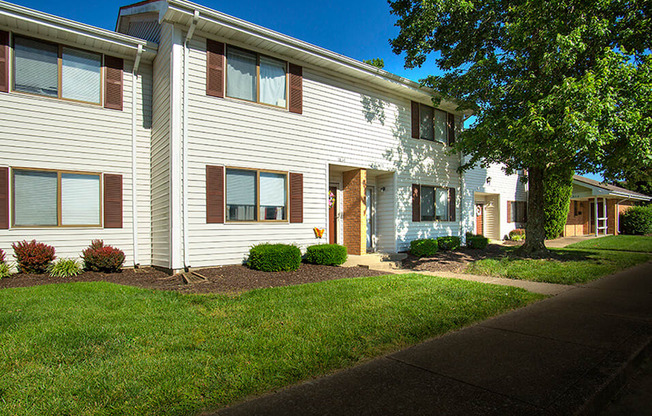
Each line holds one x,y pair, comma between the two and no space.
355,217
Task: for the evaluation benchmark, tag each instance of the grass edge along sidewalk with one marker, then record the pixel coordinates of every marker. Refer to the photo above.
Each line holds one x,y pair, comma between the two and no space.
101,348
638,243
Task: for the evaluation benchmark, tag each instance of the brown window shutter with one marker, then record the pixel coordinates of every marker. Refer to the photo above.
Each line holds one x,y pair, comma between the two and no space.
113,82
451,129
451,204
416,203
4,61
4,198
214,194
296,197
296,89
214,68
112,201
509,212
415,120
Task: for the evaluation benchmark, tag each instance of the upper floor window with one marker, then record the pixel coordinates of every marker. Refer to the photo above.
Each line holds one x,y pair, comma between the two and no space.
254,77
431,124
52,70
255,195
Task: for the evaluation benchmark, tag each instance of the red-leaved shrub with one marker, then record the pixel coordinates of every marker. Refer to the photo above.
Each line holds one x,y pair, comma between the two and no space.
33,257
2,256
100,258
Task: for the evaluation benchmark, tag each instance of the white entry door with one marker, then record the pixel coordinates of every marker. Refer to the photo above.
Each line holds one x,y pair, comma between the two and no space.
371,219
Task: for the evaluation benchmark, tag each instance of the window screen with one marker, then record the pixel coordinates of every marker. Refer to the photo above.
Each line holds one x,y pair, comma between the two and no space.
36,67
241,74
427,203
425,122
441,206
272,81
80,199
81,75
240,195
35,198
272,196
441,126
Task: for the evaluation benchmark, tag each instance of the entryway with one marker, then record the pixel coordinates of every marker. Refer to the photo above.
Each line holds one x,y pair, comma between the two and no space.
479,223
370,201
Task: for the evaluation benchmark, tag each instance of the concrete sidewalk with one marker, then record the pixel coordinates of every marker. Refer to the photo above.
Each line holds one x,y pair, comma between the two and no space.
565,355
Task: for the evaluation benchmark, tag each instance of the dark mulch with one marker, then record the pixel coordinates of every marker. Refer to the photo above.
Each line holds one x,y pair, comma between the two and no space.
452,261
226,279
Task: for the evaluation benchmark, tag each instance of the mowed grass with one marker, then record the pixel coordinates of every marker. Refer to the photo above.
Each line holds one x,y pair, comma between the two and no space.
640,243
565,267
105,349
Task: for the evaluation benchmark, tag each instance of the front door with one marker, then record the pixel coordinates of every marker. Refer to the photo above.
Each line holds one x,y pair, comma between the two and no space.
371,220
478,219
332,215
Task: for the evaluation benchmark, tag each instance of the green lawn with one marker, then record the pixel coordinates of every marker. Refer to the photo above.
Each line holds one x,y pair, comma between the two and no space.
105,349
567,267
640,243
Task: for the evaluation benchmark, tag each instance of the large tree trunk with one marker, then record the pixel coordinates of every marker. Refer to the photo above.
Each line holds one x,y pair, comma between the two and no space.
535,234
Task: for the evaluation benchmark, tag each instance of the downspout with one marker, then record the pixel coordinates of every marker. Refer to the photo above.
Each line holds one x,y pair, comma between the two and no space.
184,137
134,193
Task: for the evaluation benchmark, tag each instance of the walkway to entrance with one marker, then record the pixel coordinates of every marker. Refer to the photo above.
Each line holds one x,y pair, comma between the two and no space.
564,241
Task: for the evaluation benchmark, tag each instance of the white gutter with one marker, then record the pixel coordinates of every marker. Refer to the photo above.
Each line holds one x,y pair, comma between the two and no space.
184,136
134,176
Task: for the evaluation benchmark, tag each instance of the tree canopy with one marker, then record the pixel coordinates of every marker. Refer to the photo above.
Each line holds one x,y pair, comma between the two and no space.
555,85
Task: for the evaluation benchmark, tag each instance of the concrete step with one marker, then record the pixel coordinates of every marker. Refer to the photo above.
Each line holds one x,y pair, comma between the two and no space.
379,261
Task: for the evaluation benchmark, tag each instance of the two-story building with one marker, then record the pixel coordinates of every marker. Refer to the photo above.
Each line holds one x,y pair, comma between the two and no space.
187,136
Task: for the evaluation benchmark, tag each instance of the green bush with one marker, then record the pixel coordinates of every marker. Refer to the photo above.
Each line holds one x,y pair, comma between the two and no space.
557,190
327,254
636,221
274,257
517,234
426,247
103,258
33,257
5,270
449,243
65,268
477,242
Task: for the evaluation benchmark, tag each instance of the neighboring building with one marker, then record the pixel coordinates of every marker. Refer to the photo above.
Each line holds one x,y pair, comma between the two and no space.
238,135
586,217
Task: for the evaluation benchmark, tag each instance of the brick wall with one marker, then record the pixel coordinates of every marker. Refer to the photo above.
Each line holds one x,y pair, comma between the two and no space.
355,221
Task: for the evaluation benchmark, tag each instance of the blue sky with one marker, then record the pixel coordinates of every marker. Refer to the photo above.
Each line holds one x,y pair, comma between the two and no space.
360,29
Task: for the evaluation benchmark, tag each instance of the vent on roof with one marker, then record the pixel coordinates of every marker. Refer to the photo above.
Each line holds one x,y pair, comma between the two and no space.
147,29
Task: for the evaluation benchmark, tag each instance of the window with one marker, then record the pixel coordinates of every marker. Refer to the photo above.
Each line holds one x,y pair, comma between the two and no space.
431,124
50,198
426,122
441,126
256,195
434,203
254,77
56,71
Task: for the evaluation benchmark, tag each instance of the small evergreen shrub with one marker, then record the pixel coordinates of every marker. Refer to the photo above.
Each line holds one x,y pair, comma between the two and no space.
33,257
449,243
557,190
326,254
102,258
426,247
477,241
274,257
636,221
65,268
517,234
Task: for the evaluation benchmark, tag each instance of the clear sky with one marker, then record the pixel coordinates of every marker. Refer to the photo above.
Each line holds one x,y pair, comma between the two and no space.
360,29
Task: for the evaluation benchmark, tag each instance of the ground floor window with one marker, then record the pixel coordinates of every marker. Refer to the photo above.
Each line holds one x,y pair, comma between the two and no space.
253,195
56,198
434,203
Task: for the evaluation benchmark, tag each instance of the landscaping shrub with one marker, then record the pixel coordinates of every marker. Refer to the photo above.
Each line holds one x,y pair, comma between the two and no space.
477,241
33,257
2,256
5,270
65,268
102,258
327,254
517,234
636,221
274,257
426,247
449,243
557,190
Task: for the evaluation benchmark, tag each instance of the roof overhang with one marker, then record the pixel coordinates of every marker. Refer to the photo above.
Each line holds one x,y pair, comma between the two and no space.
214,23
585,190
30,22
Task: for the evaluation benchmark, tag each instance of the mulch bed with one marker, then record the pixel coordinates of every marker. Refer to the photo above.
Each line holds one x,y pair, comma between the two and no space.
452,261
226,279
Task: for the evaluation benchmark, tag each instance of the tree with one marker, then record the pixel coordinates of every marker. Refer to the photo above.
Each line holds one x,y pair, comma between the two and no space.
555,85
377,62
557,190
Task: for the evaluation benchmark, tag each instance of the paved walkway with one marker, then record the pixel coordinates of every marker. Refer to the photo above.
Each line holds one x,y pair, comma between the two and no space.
564,241
564,355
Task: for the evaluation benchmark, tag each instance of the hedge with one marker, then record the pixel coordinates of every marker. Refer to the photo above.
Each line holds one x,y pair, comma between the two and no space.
477,241
326,254
426,247
637,221
274,257
449,243
557,190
